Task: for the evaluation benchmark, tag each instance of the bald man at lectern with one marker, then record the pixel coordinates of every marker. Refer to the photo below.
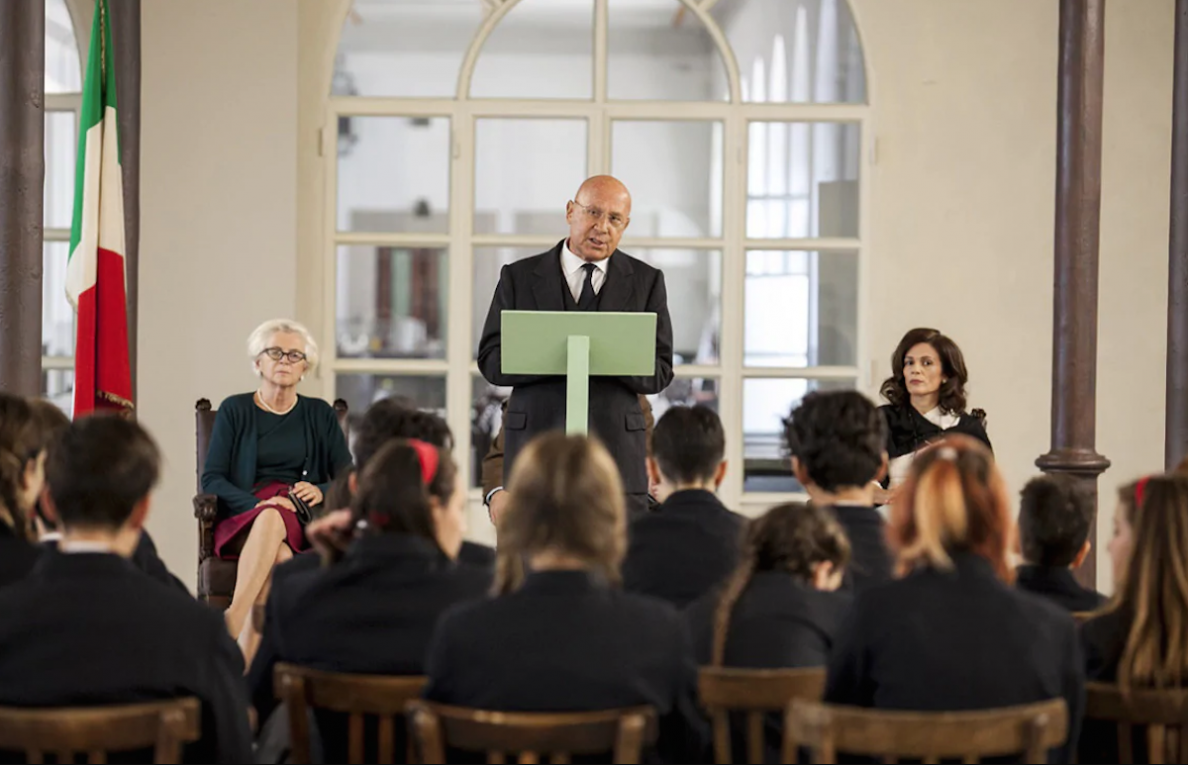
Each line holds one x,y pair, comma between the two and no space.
583,272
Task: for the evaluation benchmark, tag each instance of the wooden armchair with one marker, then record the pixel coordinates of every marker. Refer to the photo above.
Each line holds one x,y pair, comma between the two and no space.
358,696
755,692
1163,714
1030,729
64,733
216,577
530,736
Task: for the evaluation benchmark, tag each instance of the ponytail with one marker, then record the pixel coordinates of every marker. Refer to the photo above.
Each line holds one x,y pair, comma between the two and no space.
735,585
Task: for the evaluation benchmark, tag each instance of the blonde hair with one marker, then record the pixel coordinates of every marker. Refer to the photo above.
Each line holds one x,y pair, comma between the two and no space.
257,341
1154,587
954,500
564,495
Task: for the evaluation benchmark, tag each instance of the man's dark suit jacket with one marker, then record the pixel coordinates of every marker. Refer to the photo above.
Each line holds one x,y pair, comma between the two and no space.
683,548
956,640
565,641
145,559
1058,585
537,403
372,612
88,628
870,560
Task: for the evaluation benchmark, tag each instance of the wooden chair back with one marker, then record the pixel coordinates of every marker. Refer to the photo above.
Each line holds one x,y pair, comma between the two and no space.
1080,617
1164,715
1029,729
530,736
69,732
358,696
754,693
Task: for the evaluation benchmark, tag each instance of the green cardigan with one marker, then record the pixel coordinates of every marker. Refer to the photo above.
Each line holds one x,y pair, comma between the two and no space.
230,470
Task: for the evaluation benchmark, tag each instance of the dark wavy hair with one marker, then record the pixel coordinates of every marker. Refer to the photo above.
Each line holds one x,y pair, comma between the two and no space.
952,391
838,437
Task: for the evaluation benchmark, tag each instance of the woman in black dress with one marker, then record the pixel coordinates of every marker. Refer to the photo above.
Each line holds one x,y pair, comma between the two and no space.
926,401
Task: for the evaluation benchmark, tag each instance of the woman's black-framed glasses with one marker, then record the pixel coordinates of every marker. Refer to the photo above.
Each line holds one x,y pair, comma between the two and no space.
276,354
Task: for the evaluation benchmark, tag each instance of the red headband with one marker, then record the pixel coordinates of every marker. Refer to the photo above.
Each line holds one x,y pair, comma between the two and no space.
1140,489
428,456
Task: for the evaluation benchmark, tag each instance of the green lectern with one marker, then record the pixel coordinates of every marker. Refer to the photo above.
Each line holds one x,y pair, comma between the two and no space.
578,344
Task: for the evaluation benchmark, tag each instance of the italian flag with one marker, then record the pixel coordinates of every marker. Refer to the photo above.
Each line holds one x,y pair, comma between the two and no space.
95,274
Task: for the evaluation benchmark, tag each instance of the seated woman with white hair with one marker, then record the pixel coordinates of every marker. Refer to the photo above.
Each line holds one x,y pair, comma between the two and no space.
272,456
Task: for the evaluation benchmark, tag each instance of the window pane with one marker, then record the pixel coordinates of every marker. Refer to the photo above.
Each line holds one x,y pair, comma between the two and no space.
486,419
809,50
392,302
673,170
541,49
362,390
404,47
62,71
659,51
693,279
694,282
766,402
488,262
60,153
803,179
58,386
525,172
801,309
57,317
686,391
394,174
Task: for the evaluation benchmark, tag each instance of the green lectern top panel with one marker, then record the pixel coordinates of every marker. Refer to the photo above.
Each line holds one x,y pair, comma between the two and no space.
537,342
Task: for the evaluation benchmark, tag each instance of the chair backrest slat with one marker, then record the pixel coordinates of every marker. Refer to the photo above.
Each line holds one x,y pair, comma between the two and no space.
95,731
1029,729
725,689
1164,714
358,696
526,735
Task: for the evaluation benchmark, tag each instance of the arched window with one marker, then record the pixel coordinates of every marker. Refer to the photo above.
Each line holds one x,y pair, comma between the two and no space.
463,126
63,99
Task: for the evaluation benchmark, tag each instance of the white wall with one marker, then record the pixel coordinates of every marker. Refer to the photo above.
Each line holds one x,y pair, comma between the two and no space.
962,214
218,221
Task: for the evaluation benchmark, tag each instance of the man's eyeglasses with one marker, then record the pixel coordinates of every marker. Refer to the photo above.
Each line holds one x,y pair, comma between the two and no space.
615,220
276,354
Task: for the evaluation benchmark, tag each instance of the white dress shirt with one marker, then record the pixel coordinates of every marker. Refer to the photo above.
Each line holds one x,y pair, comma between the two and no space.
571,269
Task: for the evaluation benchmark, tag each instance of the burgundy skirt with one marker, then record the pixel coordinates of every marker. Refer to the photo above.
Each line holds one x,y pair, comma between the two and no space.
229,528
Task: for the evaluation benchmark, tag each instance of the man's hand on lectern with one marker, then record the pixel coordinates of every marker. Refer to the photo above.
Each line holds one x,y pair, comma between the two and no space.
497,505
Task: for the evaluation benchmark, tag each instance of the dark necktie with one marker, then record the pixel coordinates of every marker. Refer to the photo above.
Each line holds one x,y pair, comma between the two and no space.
586,299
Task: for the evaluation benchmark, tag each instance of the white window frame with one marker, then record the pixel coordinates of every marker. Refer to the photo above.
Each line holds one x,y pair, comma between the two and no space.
458,368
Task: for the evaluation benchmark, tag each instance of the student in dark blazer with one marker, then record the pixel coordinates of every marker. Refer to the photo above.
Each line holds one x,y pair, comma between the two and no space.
563,636
691,542
388,419
952,634
1055,515
23,440
374,611
836,439
85,627
780,608
1147,551
584,272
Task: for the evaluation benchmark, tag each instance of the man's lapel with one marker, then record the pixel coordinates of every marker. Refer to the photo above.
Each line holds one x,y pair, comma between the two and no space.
620,286
547,282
